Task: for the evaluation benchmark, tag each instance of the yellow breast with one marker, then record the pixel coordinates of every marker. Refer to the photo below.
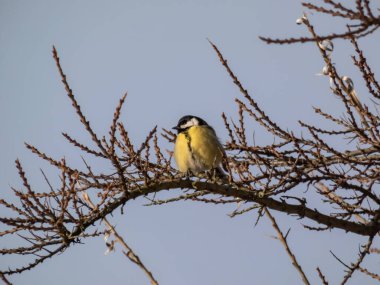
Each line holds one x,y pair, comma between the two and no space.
197,149
182,154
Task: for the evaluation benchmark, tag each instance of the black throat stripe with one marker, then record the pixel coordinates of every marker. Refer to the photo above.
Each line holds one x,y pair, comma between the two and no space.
188,139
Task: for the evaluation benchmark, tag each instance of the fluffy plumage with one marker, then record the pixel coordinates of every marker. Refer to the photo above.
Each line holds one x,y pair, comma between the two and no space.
197,147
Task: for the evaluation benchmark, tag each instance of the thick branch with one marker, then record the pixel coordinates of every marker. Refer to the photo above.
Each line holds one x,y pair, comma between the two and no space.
237,192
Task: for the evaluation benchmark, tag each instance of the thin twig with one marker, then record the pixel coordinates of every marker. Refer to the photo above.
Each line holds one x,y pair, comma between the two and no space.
132,256
284,242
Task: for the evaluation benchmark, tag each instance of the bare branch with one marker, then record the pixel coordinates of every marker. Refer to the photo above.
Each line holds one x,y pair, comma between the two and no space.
284,242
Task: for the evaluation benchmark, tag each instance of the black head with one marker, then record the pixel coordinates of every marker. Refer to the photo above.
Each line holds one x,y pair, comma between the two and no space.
188,121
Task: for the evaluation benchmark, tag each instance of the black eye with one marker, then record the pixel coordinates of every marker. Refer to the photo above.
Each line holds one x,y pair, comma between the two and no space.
184,120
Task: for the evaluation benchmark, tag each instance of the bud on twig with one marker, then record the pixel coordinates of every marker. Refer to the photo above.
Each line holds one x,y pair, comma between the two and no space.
301,20
349,84
327,46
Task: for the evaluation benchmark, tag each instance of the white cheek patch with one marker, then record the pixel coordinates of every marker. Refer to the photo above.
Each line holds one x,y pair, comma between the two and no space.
192,122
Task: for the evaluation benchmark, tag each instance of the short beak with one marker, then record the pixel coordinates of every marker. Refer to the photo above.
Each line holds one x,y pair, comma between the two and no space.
175,128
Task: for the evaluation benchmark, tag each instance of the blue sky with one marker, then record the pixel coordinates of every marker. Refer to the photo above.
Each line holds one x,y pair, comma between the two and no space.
158,52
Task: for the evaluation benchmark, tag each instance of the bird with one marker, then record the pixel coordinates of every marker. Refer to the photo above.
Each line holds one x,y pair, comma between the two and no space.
197,147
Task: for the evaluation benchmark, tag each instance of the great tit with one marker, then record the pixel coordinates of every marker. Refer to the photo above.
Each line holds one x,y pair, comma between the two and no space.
197,148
